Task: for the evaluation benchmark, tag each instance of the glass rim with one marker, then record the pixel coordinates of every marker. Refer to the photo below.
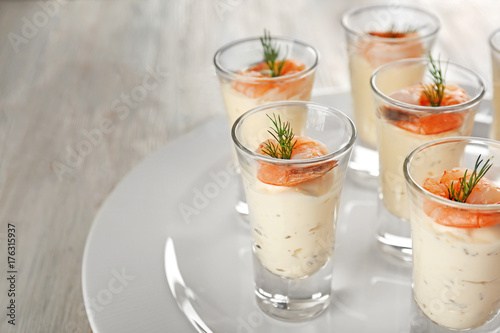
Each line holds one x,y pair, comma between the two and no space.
345,21
227,73
410,181
338,152
495,47
429,109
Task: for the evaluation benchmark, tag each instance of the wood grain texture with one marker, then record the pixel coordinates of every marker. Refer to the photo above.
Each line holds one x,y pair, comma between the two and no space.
116,80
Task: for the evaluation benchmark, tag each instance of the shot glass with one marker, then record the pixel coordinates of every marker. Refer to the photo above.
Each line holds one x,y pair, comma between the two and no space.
244,89
293,206
495,65
456,245
402,126
377,35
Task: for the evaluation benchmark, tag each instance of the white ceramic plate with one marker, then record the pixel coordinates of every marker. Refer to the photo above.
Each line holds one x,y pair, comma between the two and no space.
174,216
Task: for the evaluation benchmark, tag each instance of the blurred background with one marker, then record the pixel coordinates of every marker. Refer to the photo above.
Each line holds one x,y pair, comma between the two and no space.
66,67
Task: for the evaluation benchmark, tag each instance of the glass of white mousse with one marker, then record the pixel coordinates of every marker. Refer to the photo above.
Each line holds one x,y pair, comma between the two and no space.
456,243
495,66
293,202
247,82
406,119
377,35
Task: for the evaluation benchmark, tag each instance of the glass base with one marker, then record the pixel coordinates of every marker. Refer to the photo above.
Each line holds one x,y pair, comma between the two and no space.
420,323
393,234
396,246
291,310
293,299
363,166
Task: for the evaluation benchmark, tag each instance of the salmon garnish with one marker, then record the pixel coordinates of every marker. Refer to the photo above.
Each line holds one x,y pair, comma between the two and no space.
285,175
380,52
428,122
477,190
269,74
276,84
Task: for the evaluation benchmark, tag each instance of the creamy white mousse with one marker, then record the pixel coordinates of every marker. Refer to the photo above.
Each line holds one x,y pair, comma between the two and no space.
363,109
495,126
364,58
456,272
293,228
395,144
237,102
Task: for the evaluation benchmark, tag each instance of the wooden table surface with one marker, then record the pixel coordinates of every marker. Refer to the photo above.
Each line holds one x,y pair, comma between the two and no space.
89,88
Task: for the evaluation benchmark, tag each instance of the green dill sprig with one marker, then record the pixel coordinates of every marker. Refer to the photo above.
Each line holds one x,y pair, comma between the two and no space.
283,134
394,32
435,91
465,187
271,54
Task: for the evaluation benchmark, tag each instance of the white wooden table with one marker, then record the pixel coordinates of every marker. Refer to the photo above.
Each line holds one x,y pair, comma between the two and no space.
89,88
